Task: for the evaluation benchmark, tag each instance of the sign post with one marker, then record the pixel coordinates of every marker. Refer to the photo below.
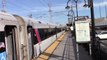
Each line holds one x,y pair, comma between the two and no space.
82,34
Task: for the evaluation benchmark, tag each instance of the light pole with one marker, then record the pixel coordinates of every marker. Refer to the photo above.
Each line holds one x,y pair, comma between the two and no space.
90,5
76,2
72,16
70,13
69,22
94,42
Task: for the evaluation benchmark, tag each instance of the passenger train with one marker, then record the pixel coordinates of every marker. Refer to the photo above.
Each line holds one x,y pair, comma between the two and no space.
24,38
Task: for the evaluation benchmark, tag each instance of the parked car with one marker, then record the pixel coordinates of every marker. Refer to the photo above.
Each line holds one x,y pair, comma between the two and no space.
102,35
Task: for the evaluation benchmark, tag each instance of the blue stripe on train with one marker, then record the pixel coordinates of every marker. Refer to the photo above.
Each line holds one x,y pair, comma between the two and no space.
3,55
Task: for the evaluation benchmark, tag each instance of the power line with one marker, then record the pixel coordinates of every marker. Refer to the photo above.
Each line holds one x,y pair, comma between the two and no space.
18,6
44,4
58,13
24,4
46,1
27,9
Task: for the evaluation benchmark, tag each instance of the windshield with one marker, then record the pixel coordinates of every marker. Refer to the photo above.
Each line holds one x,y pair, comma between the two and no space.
104,33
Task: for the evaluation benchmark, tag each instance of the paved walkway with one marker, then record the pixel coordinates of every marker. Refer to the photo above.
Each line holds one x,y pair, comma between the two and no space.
65,50
83,53
46,54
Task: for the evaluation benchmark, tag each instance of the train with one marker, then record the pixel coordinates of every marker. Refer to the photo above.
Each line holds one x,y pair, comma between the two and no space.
24,38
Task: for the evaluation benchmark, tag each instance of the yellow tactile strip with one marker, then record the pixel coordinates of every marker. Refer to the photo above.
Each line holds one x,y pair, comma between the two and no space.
45,55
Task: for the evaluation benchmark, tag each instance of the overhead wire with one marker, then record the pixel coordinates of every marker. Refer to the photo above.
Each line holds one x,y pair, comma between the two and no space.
17,6
60,12
44,4
24,4
45,1
23,7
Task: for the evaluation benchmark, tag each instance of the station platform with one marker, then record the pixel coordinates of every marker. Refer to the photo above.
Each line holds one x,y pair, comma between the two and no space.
64,48
61,49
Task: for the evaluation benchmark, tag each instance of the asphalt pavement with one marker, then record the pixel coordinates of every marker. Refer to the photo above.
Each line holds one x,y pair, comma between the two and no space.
66,50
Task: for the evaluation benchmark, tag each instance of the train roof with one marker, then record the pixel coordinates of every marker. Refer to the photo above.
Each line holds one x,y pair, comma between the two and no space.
7,16
7,20
34,22
38,23
30,22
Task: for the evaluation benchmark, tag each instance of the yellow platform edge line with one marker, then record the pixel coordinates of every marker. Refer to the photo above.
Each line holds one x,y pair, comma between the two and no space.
45,55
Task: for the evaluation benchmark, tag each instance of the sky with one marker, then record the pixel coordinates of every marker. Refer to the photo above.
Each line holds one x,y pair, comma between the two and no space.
40,9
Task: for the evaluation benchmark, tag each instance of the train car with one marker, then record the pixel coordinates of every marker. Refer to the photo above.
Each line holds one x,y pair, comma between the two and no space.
9,39
24,38
36,36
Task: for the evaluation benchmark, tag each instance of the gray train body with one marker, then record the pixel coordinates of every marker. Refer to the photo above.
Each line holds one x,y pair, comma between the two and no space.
25,38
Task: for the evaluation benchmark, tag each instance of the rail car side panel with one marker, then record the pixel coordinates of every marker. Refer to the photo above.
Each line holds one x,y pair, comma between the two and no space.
39,48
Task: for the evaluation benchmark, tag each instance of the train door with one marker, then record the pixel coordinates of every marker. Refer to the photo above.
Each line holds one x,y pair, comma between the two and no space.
10,42
2,46
30,42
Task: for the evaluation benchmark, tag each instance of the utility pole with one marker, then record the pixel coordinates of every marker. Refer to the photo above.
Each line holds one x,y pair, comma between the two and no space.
30,15
3,5
105,7
50,11
106,11
100,11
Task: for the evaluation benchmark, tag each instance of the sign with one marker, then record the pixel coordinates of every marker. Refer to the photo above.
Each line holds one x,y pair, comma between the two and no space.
82,31
82,18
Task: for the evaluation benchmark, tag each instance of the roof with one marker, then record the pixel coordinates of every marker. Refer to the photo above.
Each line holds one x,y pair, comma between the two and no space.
7,19
6,16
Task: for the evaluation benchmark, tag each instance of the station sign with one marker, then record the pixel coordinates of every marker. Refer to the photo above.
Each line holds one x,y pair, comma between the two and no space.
82,31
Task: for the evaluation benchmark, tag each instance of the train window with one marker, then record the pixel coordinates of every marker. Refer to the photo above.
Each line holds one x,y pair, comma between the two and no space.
47,32
35,38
